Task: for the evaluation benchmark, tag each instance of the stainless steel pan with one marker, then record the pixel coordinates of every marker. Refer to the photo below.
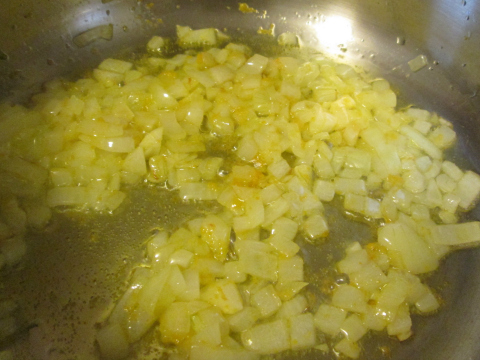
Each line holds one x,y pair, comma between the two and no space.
74,271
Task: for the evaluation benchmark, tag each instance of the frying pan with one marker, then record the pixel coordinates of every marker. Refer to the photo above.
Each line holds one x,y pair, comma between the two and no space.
77,267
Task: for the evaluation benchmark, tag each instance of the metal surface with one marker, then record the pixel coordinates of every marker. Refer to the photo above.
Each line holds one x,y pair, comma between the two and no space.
73,284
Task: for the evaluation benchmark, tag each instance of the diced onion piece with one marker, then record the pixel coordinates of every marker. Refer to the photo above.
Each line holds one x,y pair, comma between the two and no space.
353,328
156,44
266,301
422,142
433,196
223,294
407,248
418,114
447,217
170,125
254,216
279,169
182,257
210,167
199,191
422,126
373,208
369,278
187,175
175,322
284,231
203,78
354,203
233,272
91,35
373,320
194,38
151,295
295,306
67,196
348,348
284,247
329,319
391,297
275,210
468,189
401,325
107,78
152,142
254,65
135,162
427,303
255,259
288,39
208,326
443,136
244,319
349,298
302,331
465,234
192,281
115,65
324,190
287,291
323,168
355,260
221,73
452,170
162,98
445,183
268,338
290,269
352,186
216,233
418,63
315,227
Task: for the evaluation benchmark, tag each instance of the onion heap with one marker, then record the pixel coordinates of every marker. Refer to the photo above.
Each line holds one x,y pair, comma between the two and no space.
271,140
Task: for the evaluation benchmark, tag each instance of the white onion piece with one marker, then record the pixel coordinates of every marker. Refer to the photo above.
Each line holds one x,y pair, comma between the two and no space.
227,126
91,35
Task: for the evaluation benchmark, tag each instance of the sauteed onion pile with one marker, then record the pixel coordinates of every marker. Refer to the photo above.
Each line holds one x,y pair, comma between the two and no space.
271,140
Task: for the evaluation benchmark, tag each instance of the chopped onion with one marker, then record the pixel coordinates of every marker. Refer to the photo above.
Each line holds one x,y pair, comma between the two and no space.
91,35
268,140
418,63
